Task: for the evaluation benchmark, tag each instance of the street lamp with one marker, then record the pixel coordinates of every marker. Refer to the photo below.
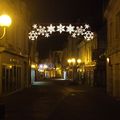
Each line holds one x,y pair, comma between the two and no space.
5,21
73,60
78,61
74,63
69,61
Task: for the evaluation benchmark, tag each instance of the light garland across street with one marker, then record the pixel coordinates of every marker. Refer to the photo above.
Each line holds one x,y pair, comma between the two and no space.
74,31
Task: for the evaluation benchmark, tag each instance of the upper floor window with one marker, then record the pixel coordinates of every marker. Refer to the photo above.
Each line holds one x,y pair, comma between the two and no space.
117,25
110,35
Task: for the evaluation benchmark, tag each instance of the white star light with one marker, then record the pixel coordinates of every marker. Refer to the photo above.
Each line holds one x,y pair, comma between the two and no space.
33,35
35,26
47,35
70,29
60,28
41,30
86,26
51,28
74,35
89,35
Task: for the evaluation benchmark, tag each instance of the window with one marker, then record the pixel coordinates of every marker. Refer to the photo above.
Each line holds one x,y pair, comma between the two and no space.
110,35
118,25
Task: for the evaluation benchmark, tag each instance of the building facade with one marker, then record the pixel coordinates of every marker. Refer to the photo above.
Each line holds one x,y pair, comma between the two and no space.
82,68
112,15
68,53
14,48
86,60
88,64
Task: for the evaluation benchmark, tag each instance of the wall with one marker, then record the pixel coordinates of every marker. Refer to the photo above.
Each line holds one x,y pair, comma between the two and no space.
112,15
14,48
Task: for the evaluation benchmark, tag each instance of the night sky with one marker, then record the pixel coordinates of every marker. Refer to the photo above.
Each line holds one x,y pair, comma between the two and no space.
64,11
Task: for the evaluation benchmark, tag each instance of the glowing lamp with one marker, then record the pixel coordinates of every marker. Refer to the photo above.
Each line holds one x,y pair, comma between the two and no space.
33,66
5,21
78,60
108,60
69,61
73,60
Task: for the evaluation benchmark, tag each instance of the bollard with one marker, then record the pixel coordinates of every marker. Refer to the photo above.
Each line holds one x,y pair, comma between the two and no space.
2,111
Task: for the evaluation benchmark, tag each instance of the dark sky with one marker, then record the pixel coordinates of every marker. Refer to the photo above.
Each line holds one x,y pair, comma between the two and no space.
64,11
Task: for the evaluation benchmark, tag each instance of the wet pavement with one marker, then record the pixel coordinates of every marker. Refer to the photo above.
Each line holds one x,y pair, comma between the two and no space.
60,100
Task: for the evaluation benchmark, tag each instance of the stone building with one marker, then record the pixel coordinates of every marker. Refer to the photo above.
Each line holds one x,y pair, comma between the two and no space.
82,50
91,68
88,64
14,48
112,15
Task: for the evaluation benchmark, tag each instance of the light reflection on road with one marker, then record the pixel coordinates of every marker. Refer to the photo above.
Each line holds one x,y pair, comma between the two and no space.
41,83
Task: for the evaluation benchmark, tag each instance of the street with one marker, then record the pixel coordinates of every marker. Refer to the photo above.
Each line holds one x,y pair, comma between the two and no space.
60,100
60,60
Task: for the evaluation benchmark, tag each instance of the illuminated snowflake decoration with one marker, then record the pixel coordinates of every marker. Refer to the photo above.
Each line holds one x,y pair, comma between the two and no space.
74,31
88,35
51,28
87,26
47,35
74,35
33,35
70,28
60,28
41,30
79,30
35,26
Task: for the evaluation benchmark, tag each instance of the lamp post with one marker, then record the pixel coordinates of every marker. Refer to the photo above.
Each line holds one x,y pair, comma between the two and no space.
73,60
5,21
